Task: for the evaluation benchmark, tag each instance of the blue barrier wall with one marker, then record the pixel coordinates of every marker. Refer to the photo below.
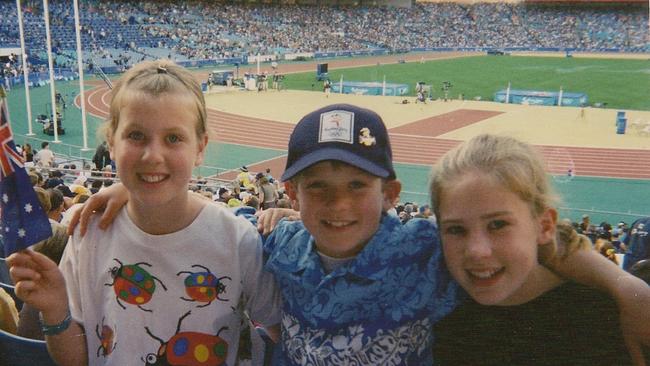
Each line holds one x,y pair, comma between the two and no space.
369,88
537,97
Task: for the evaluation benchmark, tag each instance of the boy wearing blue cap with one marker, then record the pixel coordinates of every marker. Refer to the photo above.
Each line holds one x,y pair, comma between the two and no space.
357,284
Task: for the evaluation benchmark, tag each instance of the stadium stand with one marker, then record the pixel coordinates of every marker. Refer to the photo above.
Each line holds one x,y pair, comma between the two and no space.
118,34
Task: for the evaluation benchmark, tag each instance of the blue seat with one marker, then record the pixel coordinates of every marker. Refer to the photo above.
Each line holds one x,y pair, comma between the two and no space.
16,350
11,290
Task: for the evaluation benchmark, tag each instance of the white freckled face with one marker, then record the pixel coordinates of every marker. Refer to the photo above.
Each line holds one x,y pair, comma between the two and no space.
340,205
490,239
155,147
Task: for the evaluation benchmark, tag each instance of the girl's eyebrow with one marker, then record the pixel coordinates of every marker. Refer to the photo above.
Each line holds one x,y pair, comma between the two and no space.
489,215
495,214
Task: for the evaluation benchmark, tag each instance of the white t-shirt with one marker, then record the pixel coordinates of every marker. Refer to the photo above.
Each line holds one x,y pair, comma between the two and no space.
168,306
44,157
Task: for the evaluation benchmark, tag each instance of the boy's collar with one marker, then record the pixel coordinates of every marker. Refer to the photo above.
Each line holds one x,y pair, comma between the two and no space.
370,263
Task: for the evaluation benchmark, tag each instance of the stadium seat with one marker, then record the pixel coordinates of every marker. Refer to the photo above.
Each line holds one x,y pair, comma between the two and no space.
19,351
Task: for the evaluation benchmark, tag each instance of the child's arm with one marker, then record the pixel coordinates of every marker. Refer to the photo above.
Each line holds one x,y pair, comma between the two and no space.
631,293
110,200
267,219
40,283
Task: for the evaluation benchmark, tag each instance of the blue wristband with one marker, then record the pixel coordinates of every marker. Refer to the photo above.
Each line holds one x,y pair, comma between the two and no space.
56,328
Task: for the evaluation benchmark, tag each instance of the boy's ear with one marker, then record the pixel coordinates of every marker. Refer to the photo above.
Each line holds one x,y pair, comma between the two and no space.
292,191
391,191
203,143
547,226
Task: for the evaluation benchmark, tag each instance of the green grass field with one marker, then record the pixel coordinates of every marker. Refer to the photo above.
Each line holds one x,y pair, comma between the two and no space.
621,83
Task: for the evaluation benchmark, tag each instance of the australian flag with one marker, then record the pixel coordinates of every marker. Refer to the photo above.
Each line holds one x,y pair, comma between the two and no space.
23,221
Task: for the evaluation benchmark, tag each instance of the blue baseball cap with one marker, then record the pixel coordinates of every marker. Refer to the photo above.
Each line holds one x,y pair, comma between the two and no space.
343,132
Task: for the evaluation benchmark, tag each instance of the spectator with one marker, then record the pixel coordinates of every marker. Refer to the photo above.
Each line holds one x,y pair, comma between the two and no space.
57,204
585,225
35,178
268,195
244,178
253,202
96,185
28,155
637,243
284,203
223,195
44,157
424,212
269,176
102,157
55,179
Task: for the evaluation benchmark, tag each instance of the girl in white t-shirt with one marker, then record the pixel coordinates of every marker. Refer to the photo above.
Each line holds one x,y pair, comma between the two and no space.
170,281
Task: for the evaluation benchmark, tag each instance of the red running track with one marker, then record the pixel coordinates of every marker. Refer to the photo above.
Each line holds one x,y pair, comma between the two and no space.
409,146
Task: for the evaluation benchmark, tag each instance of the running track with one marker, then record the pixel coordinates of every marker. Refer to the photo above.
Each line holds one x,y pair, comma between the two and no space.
409,145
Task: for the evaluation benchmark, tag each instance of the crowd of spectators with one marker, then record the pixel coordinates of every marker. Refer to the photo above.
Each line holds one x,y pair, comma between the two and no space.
213,30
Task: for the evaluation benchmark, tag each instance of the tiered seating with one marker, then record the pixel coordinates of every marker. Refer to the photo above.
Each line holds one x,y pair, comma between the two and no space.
199,31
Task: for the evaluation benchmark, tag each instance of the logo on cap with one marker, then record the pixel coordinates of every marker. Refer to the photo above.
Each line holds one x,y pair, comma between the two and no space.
336,126
365,138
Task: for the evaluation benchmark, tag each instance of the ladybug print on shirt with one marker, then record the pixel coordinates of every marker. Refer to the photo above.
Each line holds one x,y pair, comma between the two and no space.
189,348
204,286
133,284
106,338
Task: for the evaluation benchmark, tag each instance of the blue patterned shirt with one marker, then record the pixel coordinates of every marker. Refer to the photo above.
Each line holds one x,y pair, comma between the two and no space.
378,309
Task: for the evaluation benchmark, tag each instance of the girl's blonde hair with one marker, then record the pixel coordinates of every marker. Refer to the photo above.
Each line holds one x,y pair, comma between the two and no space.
512,163
155,78
515,165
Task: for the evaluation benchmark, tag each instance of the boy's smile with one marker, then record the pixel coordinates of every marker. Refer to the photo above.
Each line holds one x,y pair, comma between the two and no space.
340,205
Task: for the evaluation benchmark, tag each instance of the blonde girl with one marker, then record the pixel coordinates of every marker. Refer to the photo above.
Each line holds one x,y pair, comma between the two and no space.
168,282
496,211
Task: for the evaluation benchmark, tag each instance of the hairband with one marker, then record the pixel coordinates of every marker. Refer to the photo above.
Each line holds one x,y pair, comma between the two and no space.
162,70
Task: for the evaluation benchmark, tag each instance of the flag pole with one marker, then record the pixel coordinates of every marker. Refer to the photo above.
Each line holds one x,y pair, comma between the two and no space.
48,38
80,64
28,102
